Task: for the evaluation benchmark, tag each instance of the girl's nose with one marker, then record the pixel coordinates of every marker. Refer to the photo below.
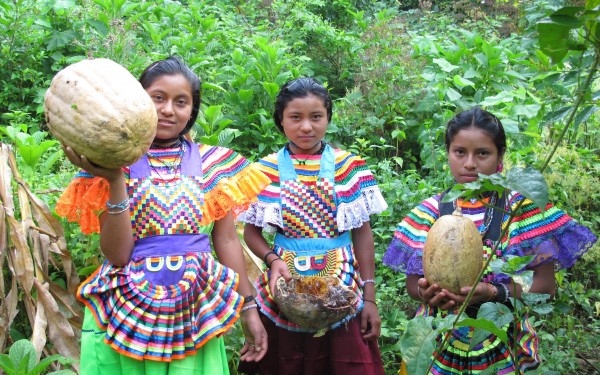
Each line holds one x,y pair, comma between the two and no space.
305,125
470,162
167,108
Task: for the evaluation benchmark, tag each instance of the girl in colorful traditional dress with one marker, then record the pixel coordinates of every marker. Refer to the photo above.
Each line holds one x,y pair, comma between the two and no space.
318,203
161,302
476,142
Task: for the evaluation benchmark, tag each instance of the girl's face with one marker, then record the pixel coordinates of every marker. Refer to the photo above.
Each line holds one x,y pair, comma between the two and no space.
172,97
472,151
304,123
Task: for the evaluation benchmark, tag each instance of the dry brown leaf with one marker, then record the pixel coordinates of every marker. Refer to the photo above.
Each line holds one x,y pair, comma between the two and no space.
3,248
67,303
60,332
38,335
68,268
40,249
20,255
6,179
8,311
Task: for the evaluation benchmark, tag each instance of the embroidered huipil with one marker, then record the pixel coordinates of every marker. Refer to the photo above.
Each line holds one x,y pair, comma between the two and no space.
313,205
551,236
173,296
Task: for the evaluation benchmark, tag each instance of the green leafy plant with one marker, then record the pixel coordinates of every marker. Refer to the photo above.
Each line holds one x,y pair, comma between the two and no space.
22,360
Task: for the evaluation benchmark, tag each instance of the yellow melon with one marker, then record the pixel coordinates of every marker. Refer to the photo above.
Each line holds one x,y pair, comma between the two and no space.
453,252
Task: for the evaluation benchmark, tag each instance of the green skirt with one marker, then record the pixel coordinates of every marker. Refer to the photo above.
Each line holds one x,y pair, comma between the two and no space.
98,358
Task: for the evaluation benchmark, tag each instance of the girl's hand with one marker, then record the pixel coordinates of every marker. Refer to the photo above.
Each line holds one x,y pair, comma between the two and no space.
256,345
435,296
278,269
82,162
483,293
370,322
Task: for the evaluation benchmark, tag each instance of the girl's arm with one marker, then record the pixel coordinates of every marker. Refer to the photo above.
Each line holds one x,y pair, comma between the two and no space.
116,239
362,240
230,253
259,246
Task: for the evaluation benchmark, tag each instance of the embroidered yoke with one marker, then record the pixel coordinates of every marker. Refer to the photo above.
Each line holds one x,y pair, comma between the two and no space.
313,205
552,237
173,296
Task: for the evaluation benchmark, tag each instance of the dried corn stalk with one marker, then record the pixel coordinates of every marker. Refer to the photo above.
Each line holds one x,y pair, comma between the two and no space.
32,239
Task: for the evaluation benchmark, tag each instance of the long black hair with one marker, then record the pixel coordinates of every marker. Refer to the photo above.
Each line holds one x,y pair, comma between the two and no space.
300,88
481,119
173,65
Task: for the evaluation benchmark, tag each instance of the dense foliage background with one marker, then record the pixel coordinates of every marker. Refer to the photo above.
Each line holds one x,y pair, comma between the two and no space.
398,71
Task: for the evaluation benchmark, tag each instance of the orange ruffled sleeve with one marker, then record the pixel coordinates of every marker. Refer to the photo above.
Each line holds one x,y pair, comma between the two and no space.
83,201
234,193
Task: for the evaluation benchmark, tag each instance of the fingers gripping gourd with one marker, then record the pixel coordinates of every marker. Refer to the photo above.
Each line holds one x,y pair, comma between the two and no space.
453,252
101,111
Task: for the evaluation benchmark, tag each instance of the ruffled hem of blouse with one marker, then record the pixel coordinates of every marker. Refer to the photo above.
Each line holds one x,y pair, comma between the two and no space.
403,258
563,246
234,194
143,323
349,215
352,215
263,215
83,201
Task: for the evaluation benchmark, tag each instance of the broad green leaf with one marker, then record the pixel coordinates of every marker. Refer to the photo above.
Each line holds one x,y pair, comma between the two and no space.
212,86
100,26
485,325
510,126
525,279
568,16
7,364
417,344
527,110
584,115
59,5
514,264
553,39
463,82
497,313
245,96
530,183
226,136
445,65
531,299
272,89
59,39
23,354
47,361
502,97
452,94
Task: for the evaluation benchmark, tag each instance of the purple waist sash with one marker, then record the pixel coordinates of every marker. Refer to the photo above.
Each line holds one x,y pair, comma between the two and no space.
163,259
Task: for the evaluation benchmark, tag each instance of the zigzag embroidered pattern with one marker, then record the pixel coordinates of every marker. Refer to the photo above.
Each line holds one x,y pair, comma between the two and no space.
308,213
167,209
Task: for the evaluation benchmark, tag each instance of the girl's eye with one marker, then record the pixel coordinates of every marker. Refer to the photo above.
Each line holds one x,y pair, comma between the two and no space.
317,117
181,102
157,98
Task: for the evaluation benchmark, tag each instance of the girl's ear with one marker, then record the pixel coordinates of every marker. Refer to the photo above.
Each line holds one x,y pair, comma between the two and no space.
500,165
